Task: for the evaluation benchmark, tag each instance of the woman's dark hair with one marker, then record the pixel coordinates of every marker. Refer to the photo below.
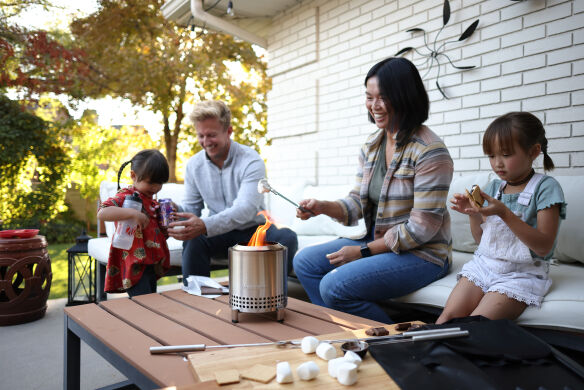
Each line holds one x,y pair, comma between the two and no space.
523,127
400,83
149,164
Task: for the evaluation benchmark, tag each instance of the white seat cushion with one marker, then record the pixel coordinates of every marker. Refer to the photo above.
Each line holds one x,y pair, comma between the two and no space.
99,249
561,309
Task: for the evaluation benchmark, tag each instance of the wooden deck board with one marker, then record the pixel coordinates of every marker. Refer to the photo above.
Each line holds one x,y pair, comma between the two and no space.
222,332
160,328
254,323
132,345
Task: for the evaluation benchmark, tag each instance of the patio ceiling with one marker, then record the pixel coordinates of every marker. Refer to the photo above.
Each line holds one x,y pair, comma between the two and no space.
249,22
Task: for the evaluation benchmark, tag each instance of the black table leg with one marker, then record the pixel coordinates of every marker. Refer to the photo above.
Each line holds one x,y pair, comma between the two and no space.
72,358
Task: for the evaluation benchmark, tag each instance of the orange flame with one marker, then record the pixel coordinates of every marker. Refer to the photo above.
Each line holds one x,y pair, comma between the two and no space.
259,237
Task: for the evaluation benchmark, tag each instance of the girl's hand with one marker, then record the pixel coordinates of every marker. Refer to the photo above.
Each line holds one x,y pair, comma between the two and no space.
345,255
141,219
315,206
494,207
462,204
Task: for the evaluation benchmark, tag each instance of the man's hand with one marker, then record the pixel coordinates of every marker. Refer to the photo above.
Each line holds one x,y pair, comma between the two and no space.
190,226
345,255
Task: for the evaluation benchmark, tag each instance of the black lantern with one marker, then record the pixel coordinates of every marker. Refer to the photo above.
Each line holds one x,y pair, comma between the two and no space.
82,275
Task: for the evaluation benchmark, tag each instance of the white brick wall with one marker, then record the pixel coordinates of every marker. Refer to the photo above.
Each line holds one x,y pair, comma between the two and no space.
529,56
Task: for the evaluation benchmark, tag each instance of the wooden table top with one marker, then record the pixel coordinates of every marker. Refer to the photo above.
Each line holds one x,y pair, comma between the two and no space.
130,327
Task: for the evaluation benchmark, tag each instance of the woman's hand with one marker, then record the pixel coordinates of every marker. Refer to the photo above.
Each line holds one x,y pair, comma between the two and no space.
462,204
313,208
345,255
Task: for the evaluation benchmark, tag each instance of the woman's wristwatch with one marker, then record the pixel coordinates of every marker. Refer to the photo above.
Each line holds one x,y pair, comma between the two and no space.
365,251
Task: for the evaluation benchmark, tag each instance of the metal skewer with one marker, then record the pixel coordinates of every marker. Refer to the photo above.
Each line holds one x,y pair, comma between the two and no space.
417,335
264,186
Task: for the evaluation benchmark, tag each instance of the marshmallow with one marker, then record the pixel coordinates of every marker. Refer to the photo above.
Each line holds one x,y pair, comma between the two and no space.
352,357
307,371
309,344
326,351
263,186
347,373
333,364
284,373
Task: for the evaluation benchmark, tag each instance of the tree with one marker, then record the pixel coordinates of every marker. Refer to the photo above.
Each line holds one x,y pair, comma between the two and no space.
138,55
97,152
34,166
35,61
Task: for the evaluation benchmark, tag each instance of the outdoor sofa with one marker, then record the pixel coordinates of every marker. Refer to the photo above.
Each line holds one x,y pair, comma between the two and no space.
562,308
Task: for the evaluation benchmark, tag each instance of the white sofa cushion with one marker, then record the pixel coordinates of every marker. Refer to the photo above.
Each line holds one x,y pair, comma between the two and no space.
99,249
559,310
322,224
570,246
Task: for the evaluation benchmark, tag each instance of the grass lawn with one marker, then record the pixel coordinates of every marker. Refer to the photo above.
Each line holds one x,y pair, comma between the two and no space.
58,254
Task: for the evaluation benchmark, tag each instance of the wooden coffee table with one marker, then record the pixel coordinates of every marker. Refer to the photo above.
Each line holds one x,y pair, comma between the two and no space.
122,331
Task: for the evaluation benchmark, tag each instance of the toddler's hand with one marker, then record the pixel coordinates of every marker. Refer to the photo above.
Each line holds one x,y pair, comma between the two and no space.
461,203
141,219
494,207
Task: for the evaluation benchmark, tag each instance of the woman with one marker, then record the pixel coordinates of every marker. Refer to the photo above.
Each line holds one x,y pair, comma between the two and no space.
402,184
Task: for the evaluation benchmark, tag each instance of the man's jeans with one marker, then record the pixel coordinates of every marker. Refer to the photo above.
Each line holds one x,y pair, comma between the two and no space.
356,286
197,253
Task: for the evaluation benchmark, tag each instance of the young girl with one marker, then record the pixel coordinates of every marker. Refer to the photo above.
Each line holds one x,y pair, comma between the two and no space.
137,269
516,230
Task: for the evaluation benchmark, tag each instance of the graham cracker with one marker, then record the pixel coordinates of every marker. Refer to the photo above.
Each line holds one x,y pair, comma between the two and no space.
226,377
260,373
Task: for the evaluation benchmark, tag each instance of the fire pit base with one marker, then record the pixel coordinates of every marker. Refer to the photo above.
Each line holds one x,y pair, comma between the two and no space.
280,313
258,280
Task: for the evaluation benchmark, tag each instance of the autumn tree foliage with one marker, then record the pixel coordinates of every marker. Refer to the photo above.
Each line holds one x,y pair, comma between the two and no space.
32,60
138,55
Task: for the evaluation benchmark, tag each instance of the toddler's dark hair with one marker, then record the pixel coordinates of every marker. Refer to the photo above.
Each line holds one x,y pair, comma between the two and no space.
148,164
523,127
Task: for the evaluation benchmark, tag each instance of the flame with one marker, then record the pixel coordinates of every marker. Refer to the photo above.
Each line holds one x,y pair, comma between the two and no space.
259,237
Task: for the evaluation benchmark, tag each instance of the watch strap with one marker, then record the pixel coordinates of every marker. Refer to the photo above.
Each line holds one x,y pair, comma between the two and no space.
365,251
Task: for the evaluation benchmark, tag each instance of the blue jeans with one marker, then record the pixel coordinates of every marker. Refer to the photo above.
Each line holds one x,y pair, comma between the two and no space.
197,253
356,286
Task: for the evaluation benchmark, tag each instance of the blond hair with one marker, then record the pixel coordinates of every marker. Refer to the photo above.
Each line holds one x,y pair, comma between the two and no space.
209,109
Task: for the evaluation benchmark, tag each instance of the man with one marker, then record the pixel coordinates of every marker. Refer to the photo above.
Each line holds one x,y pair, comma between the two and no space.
224,176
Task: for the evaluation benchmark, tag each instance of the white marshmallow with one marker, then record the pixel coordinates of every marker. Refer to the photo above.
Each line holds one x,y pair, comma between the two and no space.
352,357
347,374
307,371
333,364
309,344
284,373
326,351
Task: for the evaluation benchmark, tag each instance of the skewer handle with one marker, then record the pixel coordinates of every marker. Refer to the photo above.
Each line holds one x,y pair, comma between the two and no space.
439,336
177,348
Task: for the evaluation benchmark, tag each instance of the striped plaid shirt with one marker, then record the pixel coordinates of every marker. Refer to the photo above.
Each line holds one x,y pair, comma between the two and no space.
412,214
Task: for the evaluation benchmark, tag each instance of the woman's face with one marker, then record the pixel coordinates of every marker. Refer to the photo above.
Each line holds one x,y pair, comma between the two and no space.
377,105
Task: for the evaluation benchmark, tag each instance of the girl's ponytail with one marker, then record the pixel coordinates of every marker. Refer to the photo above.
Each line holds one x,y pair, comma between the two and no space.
120,172
548,164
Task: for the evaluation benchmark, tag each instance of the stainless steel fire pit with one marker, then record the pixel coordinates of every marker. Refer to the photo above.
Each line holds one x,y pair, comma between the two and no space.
258,279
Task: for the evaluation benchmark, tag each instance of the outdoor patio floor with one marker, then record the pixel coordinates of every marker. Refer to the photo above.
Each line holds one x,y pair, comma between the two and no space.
32,353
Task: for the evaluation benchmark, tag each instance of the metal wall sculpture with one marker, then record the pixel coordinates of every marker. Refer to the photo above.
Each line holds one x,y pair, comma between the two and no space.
436,53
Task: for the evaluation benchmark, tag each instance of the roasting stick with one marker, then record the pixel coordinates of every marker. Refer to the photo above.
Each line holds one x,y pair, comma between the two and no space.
417,335
264,186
